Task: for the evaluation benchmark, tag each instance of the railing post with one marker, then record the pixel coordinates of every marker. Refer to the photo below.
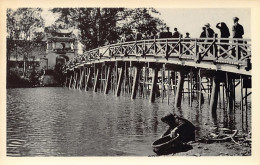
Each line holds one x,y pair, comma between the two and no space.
180,47
237,52
155,46
167,51
196,49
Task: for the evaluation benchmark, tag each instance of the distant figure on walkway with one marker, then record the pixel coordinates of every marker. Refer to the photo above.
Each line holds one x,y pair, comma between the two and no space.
224,33
187,35
154,35
238,32
161,33
209,34
138,35
168,34
181,126
203,33
176,34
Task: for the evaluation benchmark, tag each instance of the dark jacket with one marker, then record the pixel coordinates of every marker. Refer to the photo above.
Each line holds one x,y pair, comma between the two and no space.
238,31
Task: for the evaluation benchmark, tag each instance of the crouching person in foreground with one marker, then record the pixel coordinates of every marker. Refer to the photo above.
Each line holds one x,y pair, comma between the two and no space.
181,126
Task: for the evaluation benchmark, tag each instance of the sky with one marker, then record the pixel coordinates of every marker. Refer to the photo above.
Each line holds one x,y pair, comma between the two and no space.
192,19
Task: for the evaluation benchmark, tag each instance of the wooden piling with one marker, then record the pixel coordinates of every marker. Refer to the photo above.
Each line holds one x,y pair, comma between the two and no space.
135,82
120,80
178,95
70,80
96,79
214,95
154,84
88,80
108,79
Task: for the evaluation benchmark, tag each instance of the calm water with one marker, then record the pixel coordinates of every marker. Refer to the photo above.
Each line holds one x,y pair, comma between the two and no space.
68,122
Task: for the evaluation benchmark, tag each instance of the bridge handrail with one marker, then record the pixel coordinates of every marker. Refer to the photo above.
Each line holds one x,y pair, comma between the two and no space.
233,51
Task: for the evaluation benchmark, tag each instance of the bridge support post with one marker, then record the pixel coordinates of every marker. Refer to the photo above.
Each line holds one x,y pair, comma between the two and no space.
230,94
75,79
214,94
70,80
87,80
120,80
108,79
96,80
82,71
179,89
135,82
154,84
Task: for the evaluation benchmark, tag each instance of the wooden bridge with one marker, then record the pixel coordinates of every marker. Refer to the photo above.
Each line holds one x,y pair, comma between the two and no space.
160,67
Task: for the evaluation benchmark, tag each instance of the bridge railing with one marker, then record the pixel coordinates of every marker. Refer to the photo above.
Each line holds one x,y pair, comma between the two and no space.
218,50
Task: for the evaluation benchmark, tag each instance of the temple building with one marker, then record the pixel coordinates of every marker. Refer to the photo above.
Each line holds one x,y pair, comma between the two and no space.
61,46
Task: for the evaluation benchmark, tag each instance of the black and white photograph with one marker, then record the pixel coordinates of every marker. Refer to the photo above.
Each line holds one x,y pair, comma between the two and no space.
145,81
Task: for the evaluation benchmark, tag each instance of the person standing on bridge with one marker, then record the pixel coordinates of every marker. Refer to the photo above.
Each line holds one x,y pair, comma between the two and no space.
238,32
168,34
154,35
176,34
224,33
209,34
161,34
138,35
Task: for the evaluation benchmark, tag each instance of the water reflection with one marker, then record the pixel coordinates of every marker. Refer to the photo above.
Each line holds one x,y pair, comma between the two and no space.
66,122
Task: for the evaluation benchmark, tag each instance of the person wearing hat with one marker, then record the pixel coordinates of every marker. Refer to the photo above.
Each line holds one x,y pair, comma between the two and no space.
238,30
181,126
209,32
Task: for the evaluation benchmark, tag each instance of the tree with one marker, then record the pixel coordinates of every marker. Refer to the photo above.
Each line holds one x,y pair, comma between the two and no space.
141,19
99,26
23,23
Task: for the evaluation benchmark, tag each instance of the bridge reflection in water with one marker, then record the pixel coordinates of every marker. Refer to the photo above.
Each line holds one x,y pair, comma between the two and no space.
212,68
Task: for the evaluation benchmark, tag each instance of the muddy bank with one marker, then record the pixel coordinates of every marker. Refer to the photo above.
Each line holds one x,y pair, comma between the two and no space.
237,144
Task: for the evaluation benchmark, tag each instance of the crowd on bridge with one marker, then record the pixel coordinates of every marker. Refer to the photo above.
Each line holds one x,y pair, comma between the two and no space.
207,32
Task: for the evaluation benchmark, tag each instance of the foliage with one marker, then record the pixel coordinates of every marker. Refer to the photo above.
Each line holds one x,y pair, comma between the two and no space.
100,26
22,23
